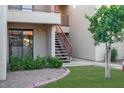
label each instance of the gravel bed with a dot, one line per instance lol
(23, 79)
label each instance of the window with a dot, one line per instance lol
(20, 43)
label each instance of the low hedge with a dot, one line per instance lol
(27, 63)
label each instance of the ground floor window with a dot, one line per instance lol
(20, 42)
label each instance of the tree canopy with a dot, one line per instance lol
(107, 24)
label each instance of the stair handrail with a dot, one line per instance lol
(65, 40)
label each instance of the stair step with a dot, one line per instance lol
(61, 54)
(58, 45)
(58, 53)
(60, 48)
(58, 40)
(63, 57)
(66, 61)
(62, 51)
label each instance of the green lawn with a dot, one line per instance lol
(88, 77)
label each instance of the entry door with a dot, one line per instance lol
(20, 43)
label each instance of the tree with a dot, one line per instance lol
(107, 26)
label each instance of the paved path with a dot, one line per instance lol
(81, 62)
(22, 79)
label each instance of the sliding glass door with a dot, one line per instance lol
(20, 43)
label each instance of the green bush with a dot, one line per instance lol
(39, 63)
(114, 54)
(15, 64)
(54, 62)
(29, 64)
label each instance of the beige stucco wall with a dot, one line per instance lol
(34, 17)
(83, 44)
(100, 51)
(40, 43)
(3, 42)
(120, 48)
(40, 37)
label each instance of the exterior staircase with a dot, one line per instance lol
(60, 50)
(63, 48)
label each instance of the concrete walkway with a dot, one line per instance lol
(34, 78)
(81, 62)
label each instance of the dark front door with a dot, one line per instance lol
(20, 43)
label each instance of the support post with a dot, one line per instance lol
(3, 42)
(53, 41)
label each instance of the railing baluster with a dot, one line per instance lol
(45, 8)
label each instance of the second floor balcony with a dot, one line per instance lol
(43, 14)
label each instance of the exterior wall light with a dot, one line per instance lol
(74, 6)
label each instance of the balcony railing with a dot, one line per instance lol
(40, 8)
(20, 7)
(64, 20)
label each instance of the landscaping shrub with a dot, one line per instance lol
(114, 54)
(29, 64)
(15, 64)
(54, 62)
(39, 63)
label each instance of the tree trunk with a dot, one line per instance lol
(107, 60)
(106, 63)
